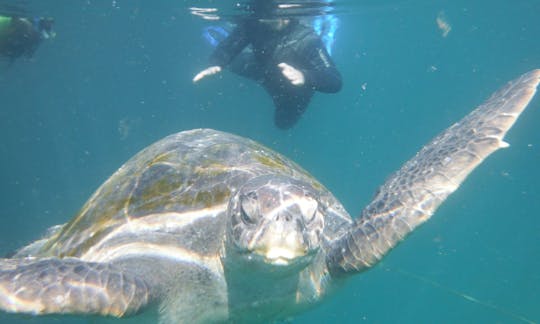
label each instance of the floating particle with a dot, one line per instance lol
(443, 24)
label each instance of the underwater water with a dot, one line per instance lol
(117, 77)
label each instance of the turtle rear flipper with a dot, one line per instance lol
(53, 285)
(411, 195)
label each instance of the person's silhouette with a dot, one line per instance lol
(285, 56)
(20, 36)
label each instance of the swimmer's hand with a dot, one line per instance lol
(206, 72)
(295, 76)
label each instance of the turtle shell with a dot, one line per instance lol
(175, 193)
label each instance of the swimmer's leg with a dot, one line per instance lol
(290, 106)
(290, 101)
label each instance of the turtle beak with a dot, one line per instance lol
(283, 251)
(282, 243)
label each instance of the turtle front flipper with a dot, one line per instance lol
(411, 195)
(52, 285)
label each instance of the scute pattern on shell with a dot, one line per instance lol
(184, 172)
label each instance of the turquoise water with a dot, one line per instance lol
(118, 77)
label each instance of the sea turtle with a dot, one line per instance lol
(206, 226)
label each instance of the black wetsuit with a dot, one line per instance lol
(297, 45)
(19, 38)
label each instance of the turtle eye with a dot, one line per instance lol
(246, 218)
(249, 209)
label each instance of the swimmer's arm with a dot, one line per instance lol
(230, 47)
(225, 52)
(320, 71)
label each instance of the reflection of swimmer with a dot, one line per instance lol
(21, 36)
(288, 58)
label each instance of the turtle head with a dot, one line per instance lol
(275, 220)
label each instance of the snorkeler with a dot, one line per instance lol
(21, 36)
(285, 56)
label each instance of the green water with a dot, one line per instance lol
(118, 77)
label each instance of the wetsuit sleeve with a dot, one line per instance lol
(230, 47)
(320, 73)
